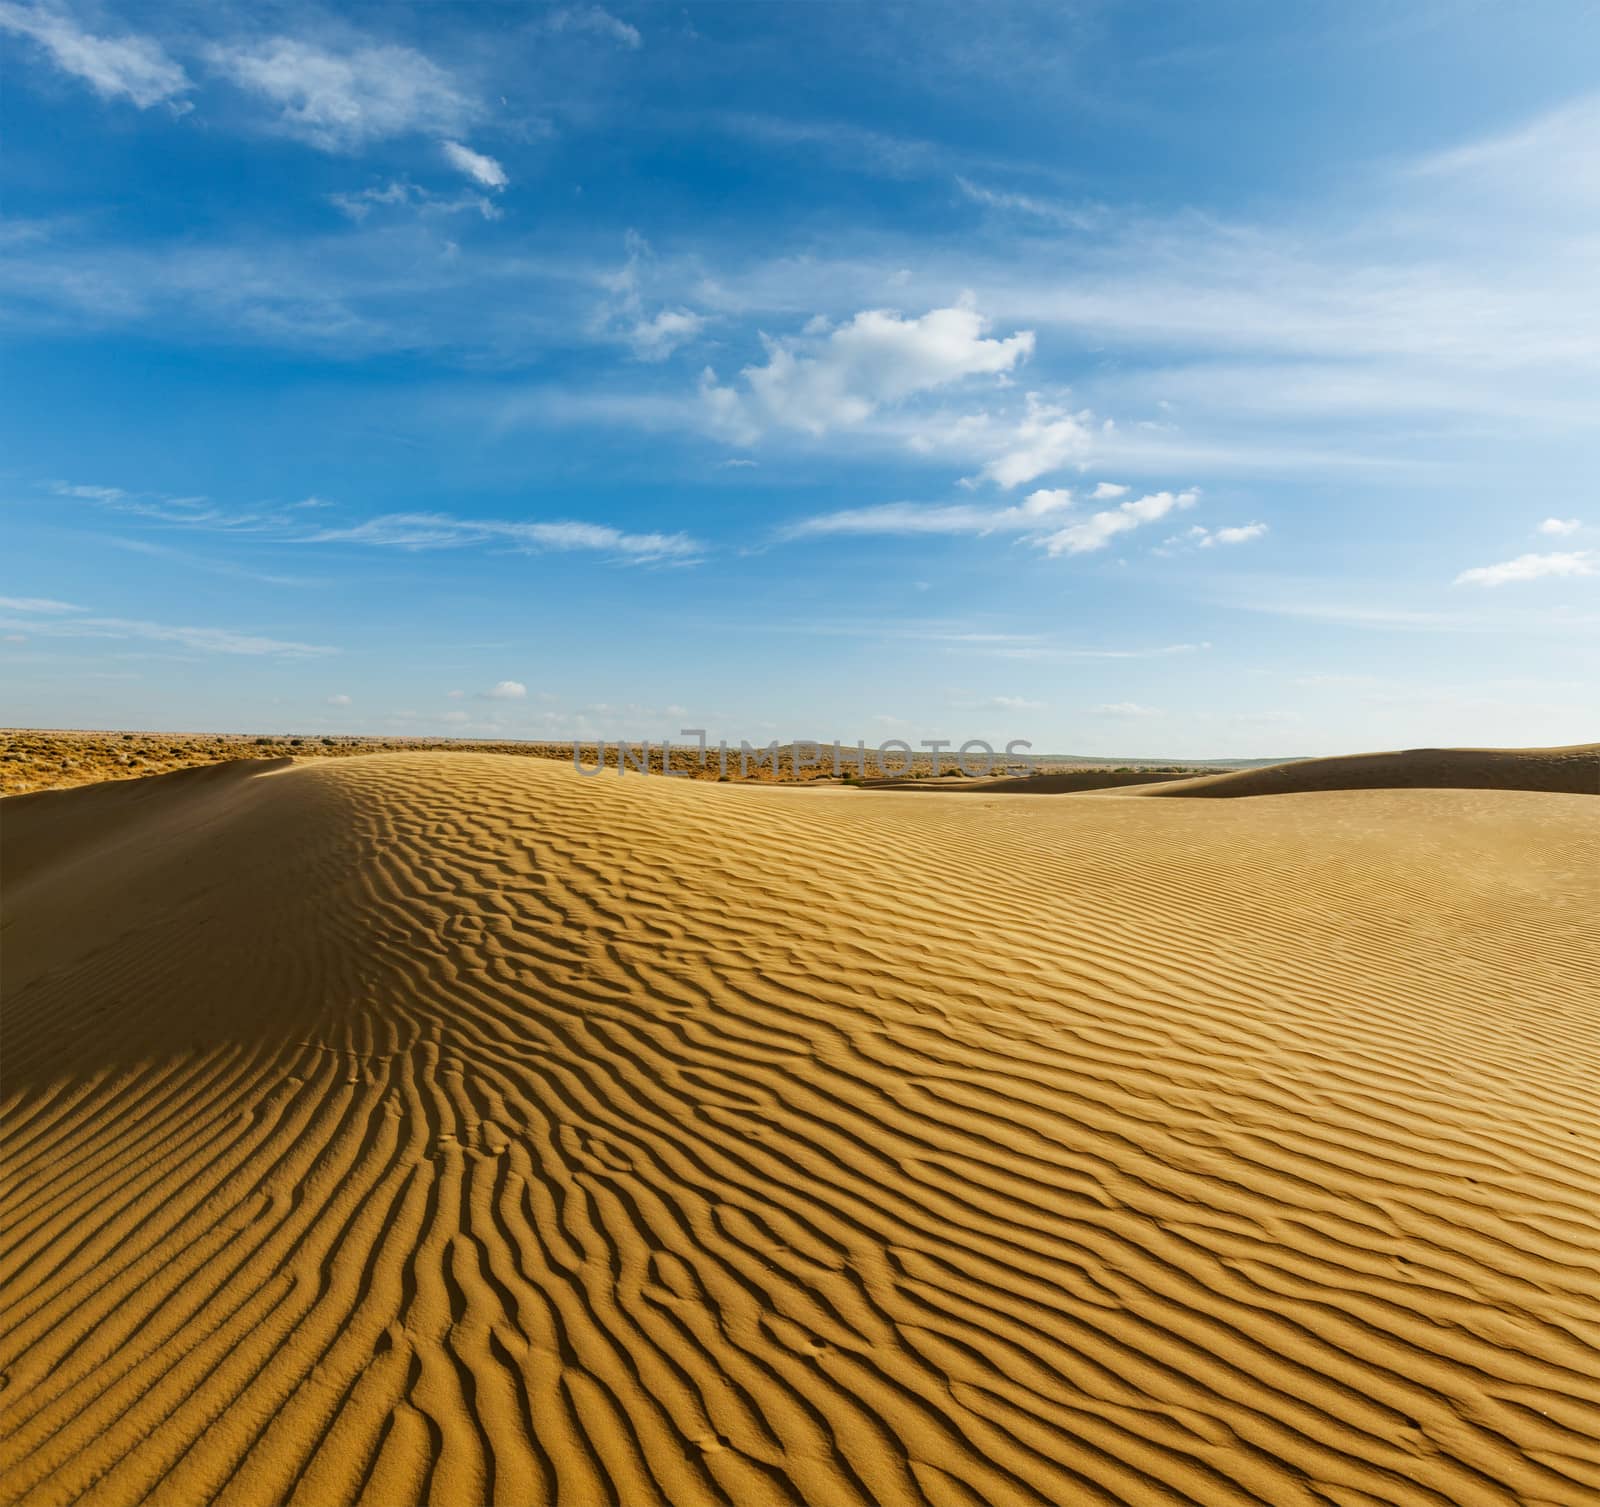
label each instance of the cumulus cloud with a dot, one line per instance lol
(481, 169)
(339, 700)
(622, 315)
(341, 102)
(1579, 562)
(1204, 538)
(1560, 526)
(598, 22)
(1099, 529)
(1045, 439)
(1240, 534)
(420, 531)
(1015, 704)
(133, 68)
(506, 690)
(829, 379)
(656, 339)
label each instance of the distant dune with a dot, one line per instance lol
(1053, 782)
(1574, 770)
(453, 1128)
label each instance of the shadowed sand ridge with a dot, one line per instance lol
(458, 1129)
(1574, 770)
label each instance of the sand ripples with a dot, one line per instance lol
(454, 1129)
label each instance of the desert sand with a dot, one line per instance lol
(452, 1128)
(1574, 771)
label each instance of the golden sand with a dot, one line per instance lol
(452, 1128)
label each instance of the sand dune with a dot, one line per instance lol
(1047, 782)
(1574, 770)
(454, 1128)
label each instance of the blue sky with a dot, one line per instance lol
(1131, 378)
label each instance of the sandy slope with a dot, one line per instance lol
(1574, 770)
(454, 1128)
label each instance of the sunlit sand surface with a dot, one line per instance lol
(453, 1128)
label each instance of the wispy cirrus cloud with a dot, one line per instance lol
(910, 518)
(1099, 529)
(596, 22)
(1086, 217)
(1124, 709)
(134, 68)
(430, 531)
(1034, 518)
(36, 604)
(295, 524)
(49, 619)
(342, 101)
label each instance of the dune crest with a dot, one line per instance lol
(1573, 771)
(455, 1129)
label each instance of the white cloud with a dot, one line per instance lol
(599, 22)
(1580, 562)
(1045, 439)
(133, 68)
(207, 640)
(455, 695)
(1015, 704)
(1068, 216)
(1550, 158)
(1560, 526)
(399, 193)
(88, 494)
(507, 690)
(35, 604)
(820, 380)
(1107, 491)
(1098, 530)
(339, 700)
(418, 531)
(656, 339)
(1125, 709)
(340, 102)
(1240, 534)
(481, 169)
(938, 518)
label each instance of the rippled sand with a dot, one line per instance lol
(453, 1128)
